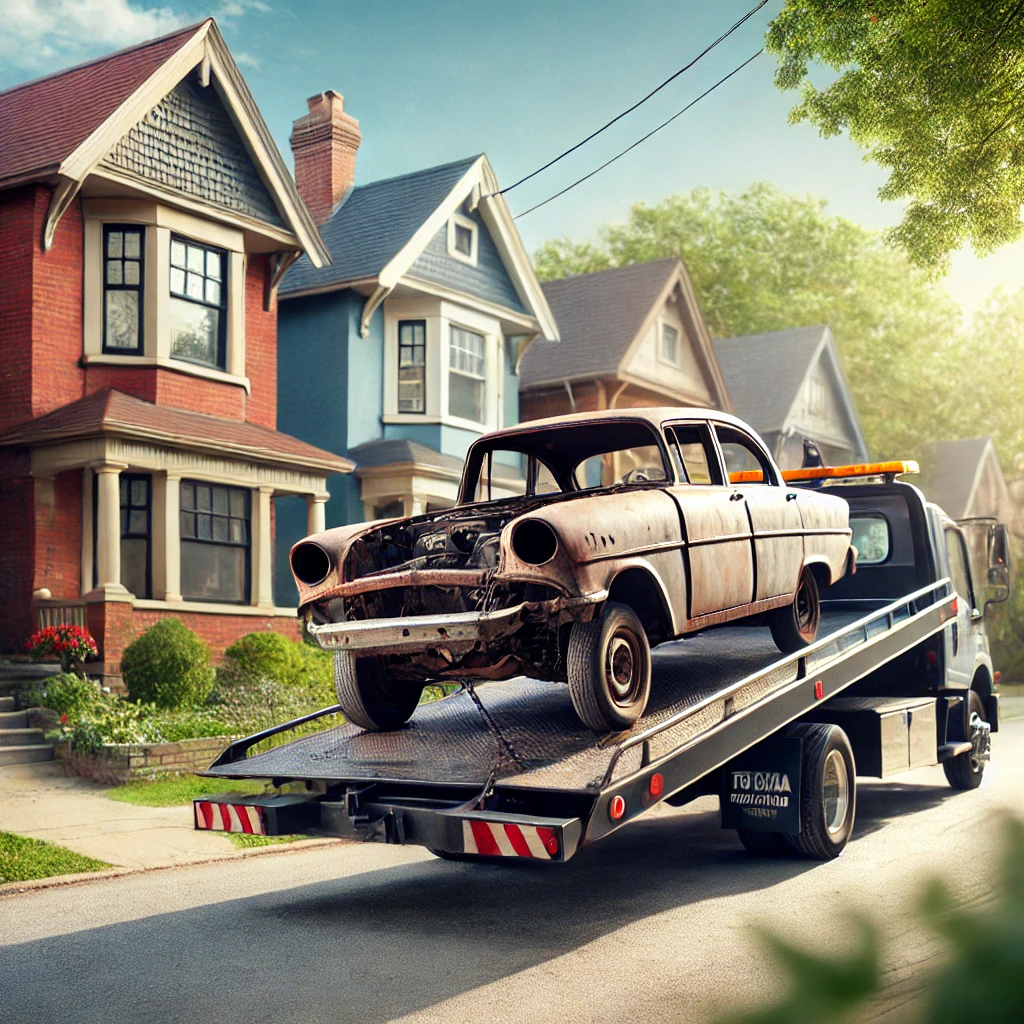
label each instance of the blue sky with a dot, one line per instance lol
(435, 81)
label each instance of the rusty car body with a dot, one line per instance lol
(577, 543)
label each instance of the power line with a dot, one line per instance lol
(629, 110)
(644, 138)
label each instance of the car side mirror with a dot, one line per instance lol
(998, 564)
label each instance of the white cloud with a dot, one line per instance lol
(38, 33)
(246, 60)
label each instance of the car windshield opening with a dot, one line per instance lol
(574, 457)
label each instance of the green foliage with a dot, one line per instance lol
(179, 790)
(268, 655)
(110, 720)
(67, 694)
(169, 666)
(984, 968)
(22, 858)
(930, 91)
(1006, 632)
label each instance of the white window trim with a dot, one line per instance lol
(471, 226)
(659, 343)
(161, 222)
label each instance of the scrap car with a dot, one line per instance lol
(576, 545)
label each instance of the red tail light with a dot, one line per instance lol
(819, 689)
(657, 786)
(617, 808)
(955, 606)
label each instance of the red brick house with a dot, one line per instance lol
(146, 217)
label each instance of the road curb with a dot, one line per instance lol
(32, 884)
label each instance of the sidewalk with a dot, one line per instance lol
(38, 801)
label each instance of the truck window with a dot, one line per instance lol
(959, 571)
(871, 537)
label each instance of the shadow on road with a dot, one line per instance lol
(377, 945)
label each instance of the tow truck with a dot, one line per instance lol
(900, 677)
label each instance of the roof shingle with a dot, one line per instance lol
(398, 451)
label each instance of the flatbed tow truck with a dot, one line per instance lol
(900, 678)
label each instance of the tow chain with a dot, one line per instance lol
(495, 731)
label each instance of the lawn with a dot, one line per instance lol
(22, 858)
(174, 790)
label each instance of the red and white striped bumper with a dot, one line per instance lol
(504, 839)
(223, 817)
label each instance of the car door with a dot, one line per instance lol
(773, 509)
(718, 538)
(960, 645)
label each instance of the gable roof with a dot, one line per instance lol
(378, 231)
(598, 315)
(60, 127)
(113, 413)
(951, 471)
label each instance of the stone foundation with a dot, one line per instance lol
(125, 762)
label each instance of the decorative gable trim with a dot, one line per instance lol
(205, 50)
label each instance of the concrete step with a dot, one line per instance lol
(11, 719)
(21, 737)
(26, 755)
(6, 704)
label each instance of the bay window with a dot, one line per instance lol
(215, 542)
(122, 288)
(467, 379)
(198, 304)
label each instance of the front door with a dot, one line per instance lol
(774, 513)
(716, 524)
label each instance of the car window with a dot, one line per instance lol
(871, 537)
(959, 572)
(501, 476)
(625, 466)
(694, 454)
(744, 461)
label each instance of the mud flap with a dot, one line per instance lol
(761, 787)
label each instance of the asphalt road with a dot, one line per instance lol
(652, 924)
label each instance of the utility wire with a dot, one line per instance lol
(629, 110)
(644, 138)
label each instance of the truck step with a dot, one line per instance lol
(25, 755)
(13, 719)
(21, 737)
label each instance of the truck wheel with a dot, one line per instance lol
(765, 844)
(965, 771)
(828, 792)
(369, 697)
(609, 669)
(796, 625)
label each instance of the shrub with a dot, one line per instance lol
(261, 658)
(109, 720)
(168, 666)
(67, 694)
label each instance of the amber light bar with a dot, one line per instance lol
(755, 476)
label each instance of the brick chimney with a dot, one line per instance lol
(324, 143)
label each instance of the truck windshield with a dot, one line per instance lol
(573, 457)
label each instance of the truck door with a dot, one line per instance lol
(960, 643)
(718, 536)
(774, 512)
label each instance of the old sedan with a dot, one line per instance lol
(577, 544)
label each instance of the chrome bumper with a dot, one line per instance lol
(419, 632)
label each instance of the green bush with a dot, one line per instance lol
(274, 657)
(67, 694)
(111, 720)
(168, 666)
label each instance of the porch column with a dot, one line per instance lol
(172, 538)
(263, 550)
(316, 513)
(108, 529)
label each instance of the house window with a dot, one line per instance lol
(214, 543)
(412, 365)
(122, 289)
(669, 344)
(136, 519)
(462, 239)
(466, 375)
(198, 303)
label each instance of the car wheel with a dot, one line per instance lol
(828, 792)
(369, 697)
(965, 771)
(796, 625)
(609, 668)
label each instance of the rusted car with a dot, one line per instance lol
(577, 544)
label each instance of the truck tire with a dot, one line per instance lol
(796, 625)
(828, 792)
(368, 697)
(965, 771)
(764, 844)
(609, 668)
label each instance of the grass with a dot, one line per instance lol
(246, 842)
(22, 858)
(175, 790)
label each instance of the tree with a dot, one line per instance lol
(765, 261)
(930, 91)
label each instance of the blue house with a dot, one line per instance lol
(407, 347)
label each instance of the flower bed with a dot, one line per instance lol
(113, 764)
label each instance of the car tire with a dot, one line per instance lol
(828, 792)
(965, 771)
(795, 626)
(368, 696)
(764, 844)
(609, 669)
